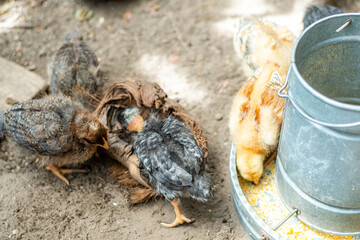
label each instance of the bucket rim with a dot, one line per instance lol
(312, 90)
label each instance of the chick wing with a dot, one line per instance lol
(156, 158)
(183, 143)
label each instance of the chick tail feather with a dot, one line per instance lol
(202, 189)
(2, 125)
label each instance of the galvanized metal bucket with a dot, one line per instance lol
(318, 162)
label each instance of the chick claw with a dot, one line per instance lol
(178, 221)
(180, 218)
(59, 172)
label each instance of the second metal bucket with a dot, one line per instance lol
(318, 163)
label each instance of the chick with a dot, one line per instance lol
(75, 70)
(258, 41)
(316, 12)
(57, 128)
(257, 112)
(170, 158)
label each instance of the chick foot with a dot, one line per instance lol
(59, 172)
(180, 218)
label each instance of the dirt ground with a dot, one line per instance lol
(186, 47)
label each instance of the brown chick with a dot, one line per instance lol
(57, 128)
(257, 112)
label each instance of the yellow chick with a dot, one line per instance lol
(257, 111)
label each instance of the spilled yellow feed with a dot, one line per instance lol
(266, 202)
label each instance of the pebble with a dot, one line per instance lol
(218, 116)
(14, 232)
(225, 229)
(115, 204)
(42, 52)
(32, 67)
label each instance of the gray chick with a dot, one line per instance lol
(316, 12)
(170, 158)
(75, 69)
(57, 128)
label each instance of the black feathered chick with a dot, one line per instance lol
(316, 12)
(170, 157)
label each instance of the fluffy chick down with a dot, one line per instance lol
(257, 112)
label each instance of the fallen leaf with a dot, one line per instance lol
(156, 7)
(11, 101)
(127, 15)
(4, 12)
(84, 14)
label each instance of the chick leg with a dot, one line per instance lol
(271, 158)
(134, 171)
(180, 218)
(59, 172)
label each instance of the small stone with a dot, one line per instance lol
(225, 229)
(127, 15)
(32, 67)
(42, 52)
(218, 116)
(115, 204)
(173, 58)
(14, 232)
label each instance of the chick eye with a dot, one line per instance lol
(88, 141)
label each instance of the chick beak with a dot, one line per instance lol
(105, 145)
(256, 180)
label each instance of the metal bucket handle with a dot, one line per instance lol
(307, 116)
